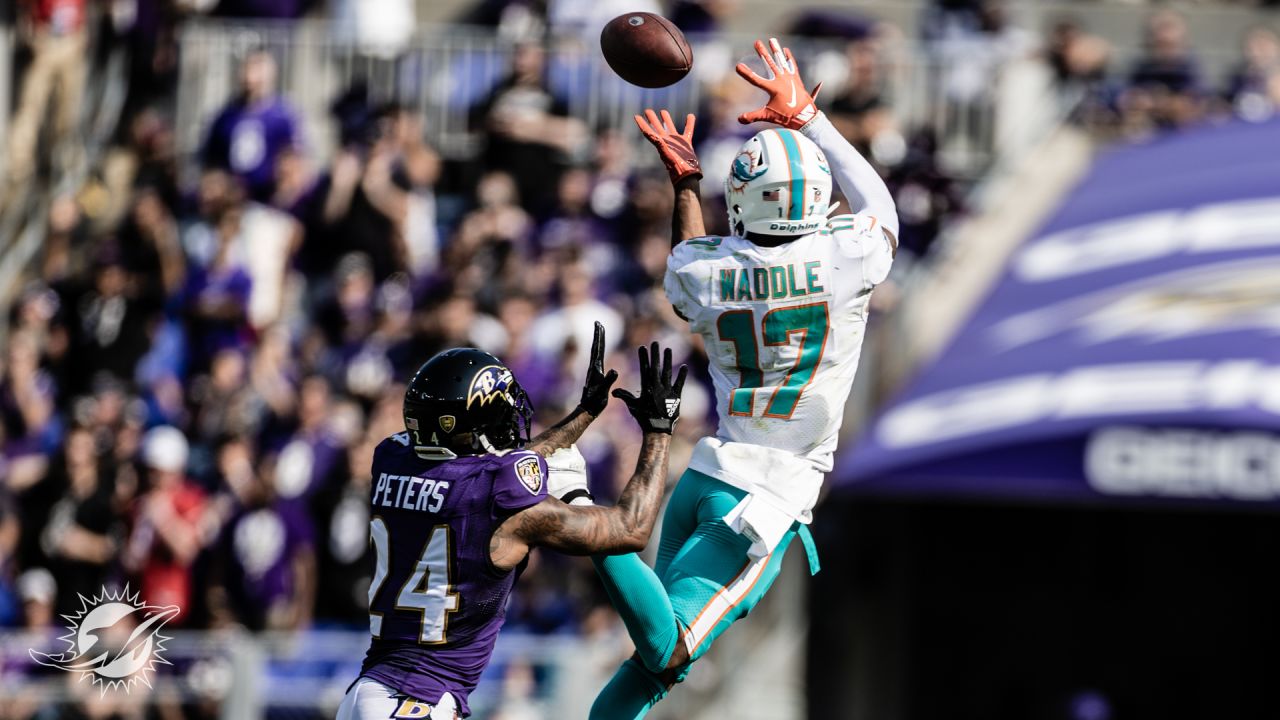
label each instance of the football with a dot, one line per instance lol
(646, 49)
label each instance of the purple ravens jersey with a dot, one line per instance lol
(436, 603)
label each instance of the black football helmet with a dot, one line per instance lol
(465, 402)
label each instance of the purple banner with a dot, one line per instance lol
(1149, 300)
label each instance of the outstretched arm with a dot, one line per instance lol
(858, 180)
(590, 530)
(625, 527)
(595, 396)
(676, 150)
(791, 106)
(686, 219)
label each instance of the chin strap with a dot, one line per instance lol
(431, 452)
(483, 441)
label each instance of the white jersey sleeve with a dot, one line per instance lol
(857, 179)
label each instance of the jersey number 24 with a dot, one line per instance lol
(426, 590)
(777, 327)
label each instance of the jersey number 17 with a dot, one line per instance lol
(777, 327)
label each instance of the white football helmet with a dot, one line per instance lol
(779, 184)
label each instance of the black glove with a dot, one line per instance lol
(658, 406)
(595, 391)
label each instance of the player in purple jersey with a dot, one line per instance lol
(460, 498)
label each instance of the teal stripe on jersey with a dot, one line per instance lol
(796, 197)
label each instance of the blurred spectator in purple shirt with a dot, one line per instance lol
(1254, 87)
(10, 535)
(253, 129)
(702, 16)
(566, 330)
(537, 372)
(1167, 63)
(26, 396)
(264, 565)
(573, 224)
(217, 295)
(311, 460)
(1165, 83)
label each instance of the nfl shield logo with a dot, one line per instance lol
(447, 423)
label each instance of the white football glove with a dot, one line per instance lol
(567, 477)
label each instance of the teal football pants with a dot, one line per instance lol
(703, 582)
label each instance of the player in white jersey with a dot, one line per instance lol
(782, 307)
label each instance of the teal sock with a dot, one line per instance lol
(642, 602)
(629, 695)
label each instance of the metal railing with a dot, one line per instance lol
(7, 51)
(24, 207)
(244, 675)
(443, 74)
(447, 71)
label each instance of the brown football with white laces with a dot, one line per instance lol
(646, 49)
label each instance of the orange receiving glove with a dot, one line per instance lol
(676, 148)
(789, 104)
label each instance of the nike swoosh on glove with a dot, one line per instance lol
(789, 105)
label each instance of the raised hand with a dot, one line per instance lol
(789, 105)
(657, 407)
(595, 391)
(675, 148)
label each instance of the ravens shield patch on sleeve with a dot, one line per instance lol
(529, 471)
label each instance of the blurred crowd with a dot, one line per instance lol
(1166, 86)
(191, 393)
(195, 377)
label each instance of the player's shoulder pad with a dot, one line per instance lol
(858, 235)
(863, 237)
(394, 443)
(527, 468)
(850, 224)
(699, 248)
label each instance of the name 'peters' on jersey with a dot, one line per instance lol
(409, 492)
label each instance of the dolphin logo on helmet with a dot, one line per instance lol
(744, 169)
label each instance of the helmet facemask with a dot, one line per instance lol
(511, 428)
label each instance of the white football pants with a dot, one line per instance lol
(371, 700)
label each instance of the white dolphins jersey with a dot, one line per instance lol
(783, 328)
